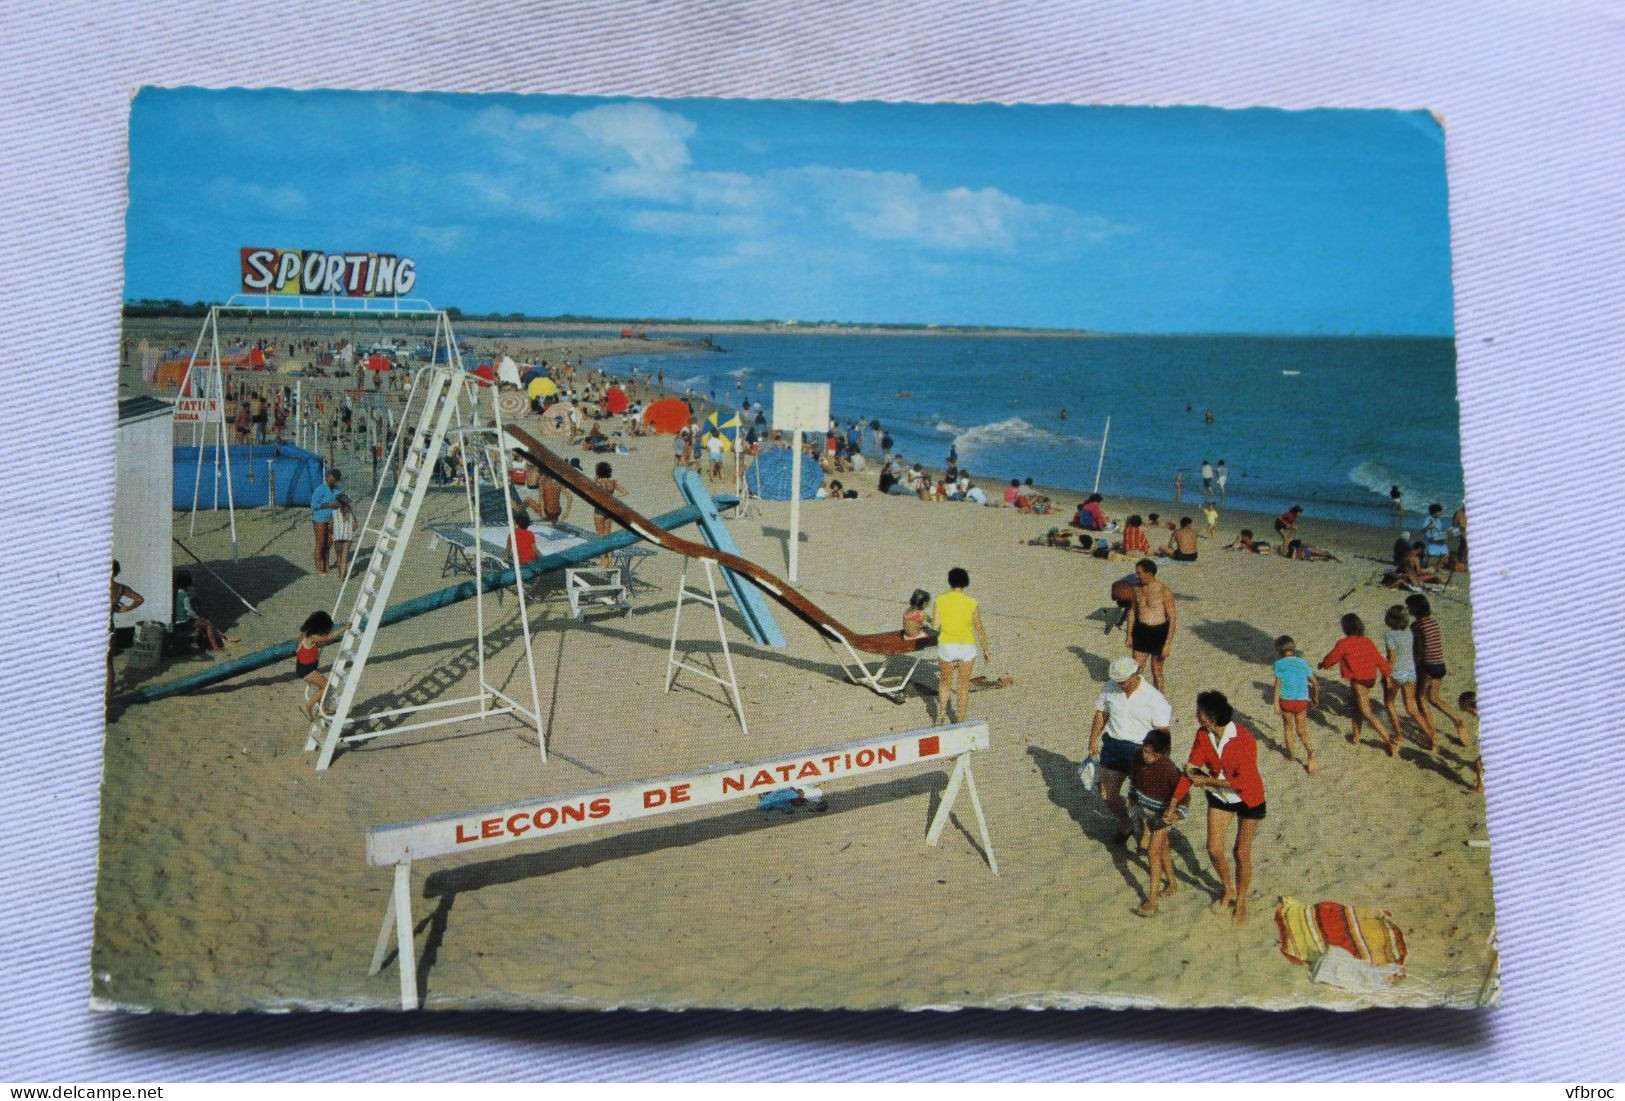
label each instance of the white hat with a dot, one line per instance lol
(1121, 669)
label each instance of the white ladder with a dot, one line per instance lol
(439, 407)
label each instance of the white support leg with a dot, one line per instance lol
(384, 932)
(676, 620)
(673, 663)
(727, 655)
(949, 794)
(981, 820)
(399, 911)
(961, 775)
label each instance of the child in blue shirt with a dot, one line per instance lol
(1296, 688)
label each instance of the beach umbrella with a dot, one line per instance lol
(770, 475)
(666, 416)
(542, 387)
(486, 371)
(727, 430)
(508, 370)
(616, 400)
(556, 419)
(512, 405)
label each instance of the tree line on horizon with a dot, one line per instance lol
(174, 307)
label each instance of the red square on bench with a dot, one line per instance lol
(930, 746)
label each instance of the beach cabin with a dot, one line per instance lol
(143, 513)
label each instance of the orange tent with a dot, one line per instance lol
(667, 416)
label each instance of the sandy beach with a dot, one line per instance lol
(232, 874)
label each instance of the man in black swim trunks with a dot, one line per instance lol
(1151, 620)
(1181, 545)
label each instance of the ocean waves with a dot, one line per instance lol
(1379, 478)
(1011, 432)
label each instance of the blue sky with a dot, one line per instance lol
(1107, 218)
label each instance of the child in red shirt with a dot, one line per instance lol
(1156, 779)
(1134, 540)
(524, 540)
(1358, 659)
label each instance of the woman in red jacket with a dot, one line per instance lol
(1224, 760)
(1358, 659)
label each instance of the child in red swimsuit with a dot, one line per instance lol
(1358, 659)
(914, 617)
(316, 632)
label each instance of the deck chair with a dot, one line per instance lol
(627, 560)
(858, 670)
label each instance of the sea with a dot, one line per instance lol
(1326, 423)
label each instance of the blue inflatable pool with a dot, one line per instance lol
(297, 472)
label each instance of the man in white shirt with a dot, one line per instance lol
(713, 447)
(1127, 708)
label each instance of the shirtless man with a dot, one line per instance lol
(546, 496)
(1181, 544)
(1152, 620)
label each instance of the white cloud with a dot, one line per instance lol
(651, 138)
(278, 200)
(631, 150)
(633, 161)
(446, 238)
(897, 206)
(503, 194)
(692, 223)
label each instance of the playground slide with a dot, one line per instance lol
(259, 659)
(884, 642)
(759, 621)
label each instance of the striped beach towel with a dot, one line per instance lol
(1309, 929)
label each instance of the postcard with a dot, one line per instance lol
(598, 553)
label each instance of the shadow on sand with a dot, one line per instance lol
(445, 886)
(1066, 791)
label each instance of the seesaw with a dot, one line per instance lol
(417, 606)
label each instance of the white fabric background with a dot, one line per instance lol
(1532, 101)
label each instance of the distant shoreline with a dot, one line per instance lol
(791, 328)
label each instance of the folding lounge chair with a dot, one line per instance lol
(859, 672)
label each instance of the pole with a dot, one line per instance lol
(1102, 461)
(217, 577)
(795, 502)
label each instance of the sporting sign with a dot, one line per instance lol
(336, 274)
(467, 831)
